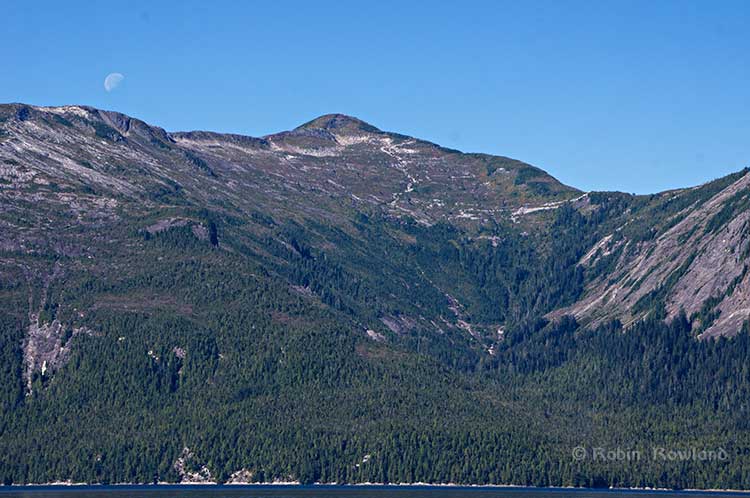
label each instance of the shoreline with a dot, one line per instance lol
(374, 485)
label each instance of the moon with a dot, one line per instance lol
(112, 81)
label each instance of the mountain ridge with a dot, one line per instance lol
(322, 122)
(338, 158)
(332, 304)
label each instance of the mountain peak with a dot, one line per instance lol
(338, 122)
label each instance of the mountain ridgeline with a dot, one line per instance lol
(341, 304)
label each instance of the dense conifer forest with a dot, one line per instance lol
(193, 349)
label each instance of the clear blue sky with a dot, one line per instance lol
(633, 96)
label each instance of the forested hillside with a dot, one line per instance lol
(341, 304)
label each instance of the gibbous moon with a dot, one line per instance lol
(112, 81)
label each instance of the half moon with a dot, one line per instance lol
(112, 81)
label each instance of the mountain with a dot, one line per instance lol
(338, 303)
(686, 251)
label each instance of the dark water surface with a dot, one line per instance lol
(332, 492)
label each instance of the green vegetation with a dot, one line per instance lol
(377, 310)
(197, 346)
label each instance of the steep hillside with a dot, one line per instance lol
(337, 303)
(681, 251)
(371, 217)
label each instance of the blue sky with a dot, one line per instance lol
(632, 96)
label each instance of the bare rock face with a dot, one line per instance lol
(375, 336)
(46, 348)
(698, 266)
(242, 476)
(190, 471)
(398, 324)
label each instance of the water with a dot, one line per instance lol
(333, 492)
